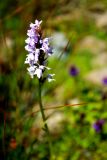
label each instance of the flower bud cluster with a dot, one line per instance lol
(39, 50)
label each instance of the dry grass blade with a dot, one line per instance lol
(64, 50)
(56, 107)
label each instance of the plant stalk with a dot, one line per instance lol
(44, 121)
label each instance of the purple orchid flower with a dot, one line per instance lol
(39, 50)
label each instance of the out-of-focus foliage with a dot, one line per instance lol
(79, 31)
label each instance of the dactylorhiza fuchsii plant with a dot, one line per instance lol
(39, 50)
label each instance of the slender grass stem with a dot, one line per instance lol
(44, 121)
(4, 135)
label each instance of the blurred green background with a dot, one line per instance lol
(79, 31)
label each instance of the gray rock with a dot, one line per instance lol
(96, 75)
(92, 44)
(101, 21)
(100, 60)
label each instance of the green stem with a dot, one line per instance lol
(44, 121)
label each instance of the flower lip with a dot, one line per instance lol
(50, 77)
(36, 24)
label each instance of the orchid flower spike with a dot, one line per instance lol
(39, 50)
